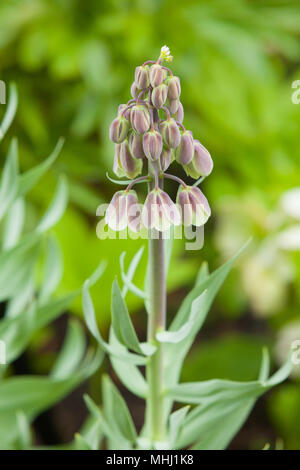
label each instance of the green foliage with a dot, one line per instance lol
(222, 406)
(29, 304)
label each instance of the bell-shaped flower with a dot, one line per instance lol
(185, 151)
(119, 129)
(201, 164)
(159, 211)
(174, 88)
(141, 77)
(166, 159)
(140, 118)
(131, 166)
(179, 115)
(124, 211)
(157, 75)
(159, 95)
(194, 206)
(136, 145)
(152, 145)
(170, 133)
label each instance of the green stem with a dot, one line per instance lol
(156, 322)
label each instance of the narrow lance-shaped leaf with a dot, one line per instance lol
(10, 110)
(29, 179)
(56, 208)
(9, 179)
(116, 411)
(90, 318)
(53, 270)
(128, 373)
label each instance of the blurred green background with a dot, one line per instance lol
(73, 63)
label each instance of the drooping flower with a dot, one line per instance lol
(136, 145)
(185, 150)
(201, 164)
(159, 95)
(152, 145)
(165, 159)
(170, 133)
(174, 88)
(131, 166)
(179, 115)
(119, 129)
(140, 118)
(159, 211)
(157, 75)
(194, 206)
(141, 77)
(124, 211)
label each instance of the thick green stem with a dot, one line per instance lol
(156, 322)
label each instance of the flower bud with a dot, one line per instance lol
(157, 75)
(185, 150)
(124, 210)
(140, 118)
(166, 159)
(136, 145)
(201, 164)
(130, 165)
(170, 133)
(121, 108)
(134, 90)
(152, 145)
(194, 206)
(141, 77)
(174, 88)
(119, 129)
(159, 95)
(117, 164)
(173, 105)
(179, 113)
(159, 211)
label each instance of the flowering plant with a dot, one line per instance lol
(149, 129)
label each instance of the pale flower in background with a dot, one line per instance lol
(287, 335)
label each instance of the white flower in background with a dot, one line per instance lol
(286, 337)
(290, 202)
(289, 239)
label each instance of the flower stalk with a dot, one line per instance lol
(156, 323)
(148, 131)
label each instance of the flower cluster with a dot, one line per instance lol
(149, 130)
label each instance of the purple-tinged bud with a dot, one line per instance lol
(159, 95)
(141, 77)
(124, 210)
(179, 113)
(170, 133)
(157, 75)
(121, 108)
(159, 211)
(134, 90)
(130, 165)
(117, 164)
(152, 145)
(185, 150)
(136, 145)
(119, 129)
(173, 105)
(140, 118)
(174, 88)
(166, 159)
(201, 164)
(194, 206)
